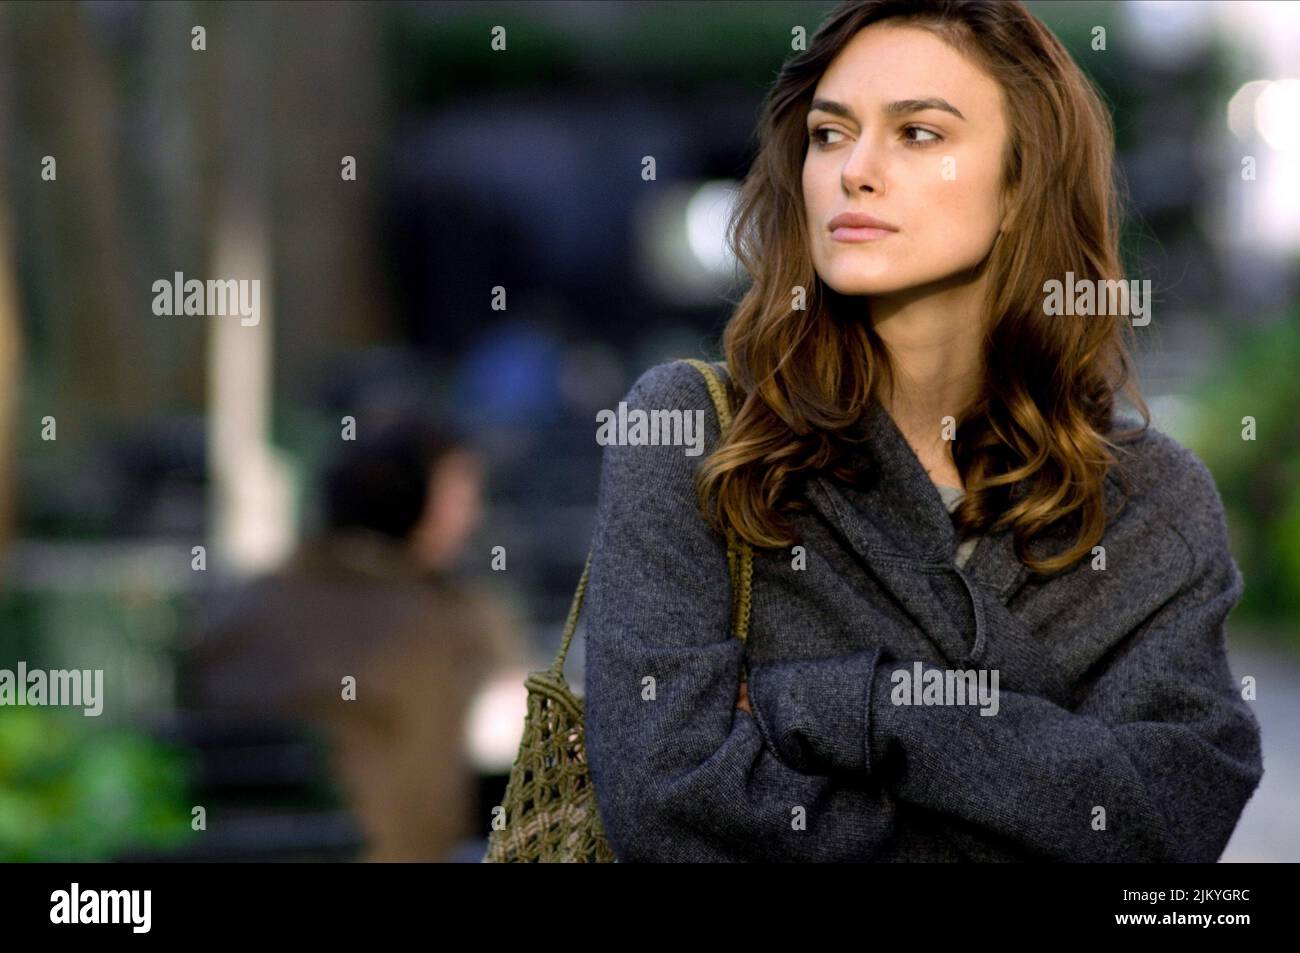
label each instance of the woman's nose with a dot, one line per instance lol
(863, 170)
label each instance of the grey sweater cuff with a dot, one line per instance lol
(882, 739)
(903, 734)
(813, 712)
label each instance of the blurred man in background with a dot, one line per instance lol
(366, 637)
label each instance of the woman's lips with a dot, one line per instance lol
(844, 234)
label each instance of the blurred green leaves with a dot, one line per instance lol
(71, 790)
(1259, 479)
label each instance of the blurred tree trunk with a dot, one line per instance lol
(10, 327)
(327, 101)
(10, 389)
(251, 501)
(66, 100)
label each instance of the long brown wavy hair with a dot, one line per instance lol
(1034, 447)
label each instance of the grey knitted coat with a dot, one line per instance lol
(1118, 732)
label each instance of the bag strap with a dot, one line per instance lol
(740, 558)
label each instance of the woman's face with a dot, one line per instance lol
(884, 143)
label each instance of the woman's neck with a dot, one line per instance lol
(935, 344)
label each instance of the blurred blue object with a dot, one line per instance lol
(511, 378)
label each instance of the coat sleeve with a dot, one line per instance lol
(679, 772)
(1160, 738)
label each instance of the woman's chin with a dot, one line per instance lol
(861, 286)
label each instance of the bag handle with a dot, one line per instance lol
(740, 558)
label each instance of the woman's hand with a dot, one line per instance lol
(743, 700)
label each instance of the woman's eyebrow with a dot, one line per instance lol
(899, 107)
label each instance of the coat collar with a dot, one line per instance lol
(896, 513)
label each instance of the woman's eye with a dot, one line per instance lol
(934, 136)
(913, 136)
(818, 136)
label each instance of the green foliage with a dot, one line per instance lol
(1259, 479)
(70, 790)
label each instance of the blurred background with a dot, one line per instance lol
(185, 500)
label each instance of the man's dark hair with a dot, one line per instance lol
(380, 481)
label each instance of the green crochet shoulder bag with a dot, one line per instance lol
(550, 813)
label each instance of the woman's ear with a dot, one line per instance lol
(1007, 209)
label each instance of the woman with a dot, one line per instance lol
(925, 169)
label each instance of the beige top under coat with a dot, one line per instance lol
(951, 497)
